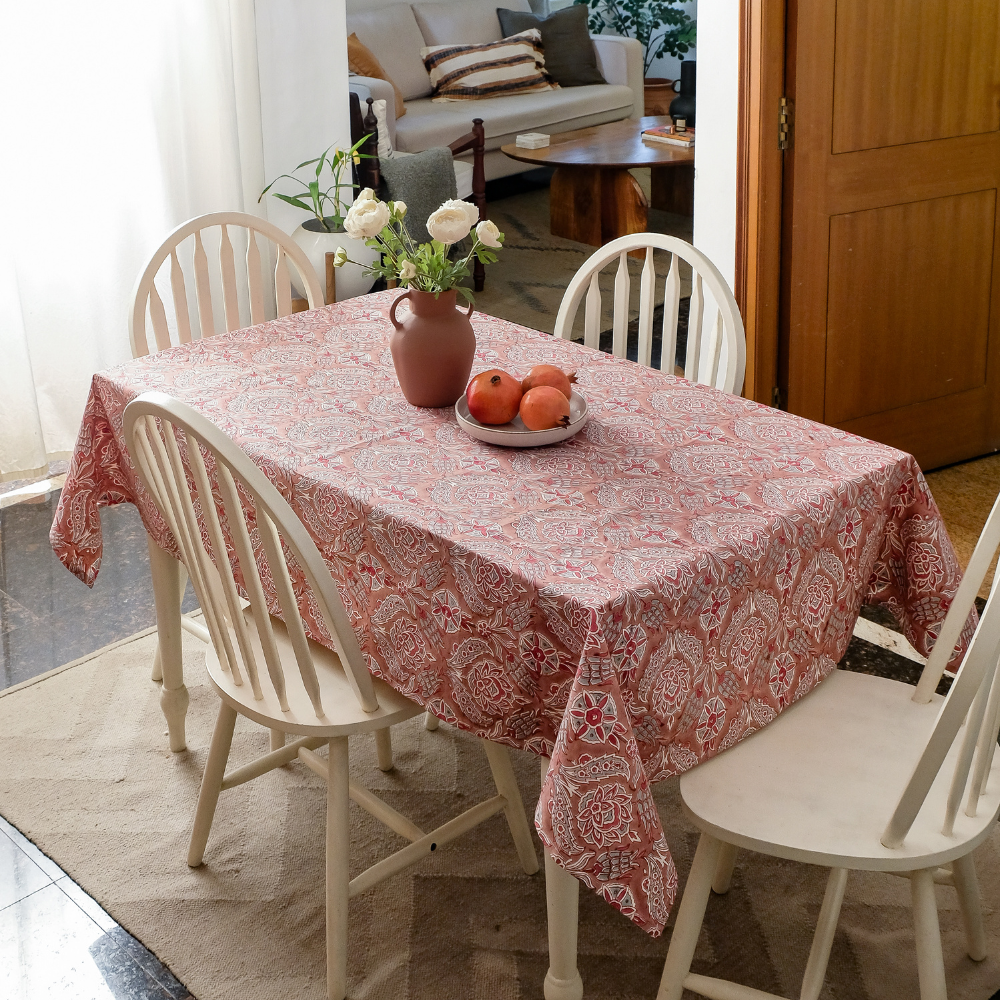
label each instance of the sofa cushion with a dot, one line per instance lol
(513, 65)
(392, 36)
(431, 124)
(570, 58)
(466, 21)
(361, 60)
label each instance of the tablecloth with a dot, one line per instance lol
(630, 602)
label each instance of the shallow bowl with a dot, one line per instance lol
(515, 434)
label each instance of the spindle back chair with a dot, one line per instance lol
(145, 294)
(267, 668)
(716, 340)
(862, 773)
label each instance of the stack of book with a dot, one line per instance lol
(669, 135)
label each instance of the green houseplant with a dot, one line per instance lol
(320, 191)
(662, 27)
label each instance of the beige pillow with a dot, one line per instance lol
(391, 34)
(514, 65)
(361, 61)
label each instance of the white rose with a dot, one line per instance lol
(488, 234)
(365, 194)
(340, 257)
(470, 210)
(399, 209)
(407, 270)
(366, 218)
(449, 223)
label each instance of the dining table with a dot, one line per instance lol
(624, 604)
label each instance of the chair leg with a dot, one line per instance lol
(503, 778)
(963, 872)
(724, 870)
(826, 927)
(383, 747)
(930, 959)
(431, 722)
(277, 739)
(690, 916)
(211, 783)
(338, 853)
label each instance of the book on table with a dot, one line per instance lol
(669, 135)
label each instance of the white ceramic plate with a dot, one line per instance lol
(515, 434)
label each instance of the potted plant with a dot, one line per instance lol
(662, 27)
(434, 347)
(324, 232)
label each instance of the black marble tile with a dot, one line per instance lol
(50, 948)
(153, 967)
(54, 618)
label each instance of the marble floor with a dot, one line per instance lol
(55, 941)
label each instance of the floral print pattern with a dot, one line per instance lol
(629, 602)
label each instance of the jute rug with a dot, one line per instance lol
(86, 775)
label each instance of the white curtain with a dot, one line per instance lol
(119, 119)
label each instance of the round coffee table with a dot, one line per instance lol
(593, 197)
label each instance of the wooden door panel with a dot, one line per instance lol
(893, 344)
(914, 70)
(890, 318)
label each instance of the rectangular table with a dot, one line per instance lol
(628, 603)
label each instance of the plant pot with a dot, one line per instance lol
(432, 349)
(682, 106)
(658, 93)
(316, 243)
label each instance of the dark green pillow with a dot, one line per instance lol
(569, 53)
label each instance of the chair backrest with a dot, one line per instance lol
(974, 699)
(709, 326)
(166, 440)
(145, 294)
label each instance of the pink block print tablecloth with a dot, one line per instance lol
(630, 602)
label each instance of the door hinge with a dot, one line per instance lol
(776, 400)
(785, 124)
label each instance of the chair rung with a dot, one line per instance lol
(368, 801)
(276, 758)
(419, 849)
(195, 629)
(721, 989)
(942, 876)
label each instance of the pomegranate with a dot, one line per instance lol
(494, 397)
(544, 407)
(549, 375)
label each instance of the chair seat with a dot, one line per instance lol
(343, 713)
(820, 783)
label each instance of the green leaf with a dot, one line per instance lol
(293, 201)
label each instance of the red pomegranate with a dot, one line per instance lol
(549, 375)
(544, 407)
(494, 397)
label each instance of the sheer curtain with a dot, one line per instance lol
(119, 119)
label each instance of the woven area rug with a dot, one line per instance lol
(87, 775)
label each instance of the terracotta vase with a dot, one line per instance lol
(658, 93)
(433, 348)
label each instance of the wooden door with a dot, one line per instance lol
(891, 232)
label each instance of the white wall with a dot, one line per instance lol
(302, 66)
(715, 150)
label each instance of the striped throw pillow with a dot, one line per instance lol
(514, 65)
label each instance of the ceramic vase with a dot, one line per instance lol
(658, 93)
(432, 348)
(316, 243)
(683, 105)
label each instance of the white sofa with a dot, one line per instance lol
(395, 32)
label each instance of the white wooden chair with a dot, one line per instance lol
(145, 294)
(706, 333)
(863, 773)
(268, 670)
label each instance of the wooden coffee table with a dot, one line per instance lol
(593, 197)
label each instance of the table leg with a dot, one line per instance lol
(166, 573)
(623, 205)
(672, 188)
(562, 895)
(575, 204)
